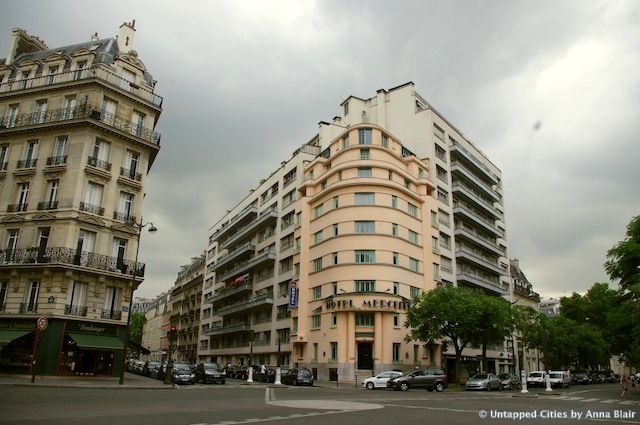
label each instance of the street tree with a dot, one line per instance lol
(136, 327)
(494, 325)
(448, 311)
(623, 260)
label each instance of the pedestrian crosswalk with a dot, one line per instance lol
(593, 400)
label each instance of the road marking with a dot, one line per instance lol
(278, 418)
(432, 408)
(589, 400)
(611, 400)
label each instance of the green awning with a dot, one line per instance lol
(97, 342)
(8, 335)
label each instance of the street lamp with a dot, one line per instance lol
(152, 229)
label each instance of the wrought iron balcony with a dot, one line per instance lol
(70, 256)
(127, 218)
(111, 314)
(27, 163)
(98, 163)
(245, 305)
(130, 174)
(56, 160)
(17, 207)
(48, 205)
(79, 112)
(95, 209)
(95, 72)
(75, 310)
(28, 308)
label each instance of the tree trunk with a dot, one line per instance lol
(484, 365)
(458, 356)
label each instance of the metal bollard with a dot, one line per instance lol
(523, 382)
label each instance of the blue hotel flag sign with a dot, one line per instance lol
(293, 294)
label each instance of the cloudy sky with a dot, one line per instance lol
(245, 83)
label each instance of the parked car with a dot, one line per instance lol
(208, 372)
(484, 381)
(182, 374)
(537, 378)
(509, 381)
(610, 377)
(297, 376)
(559, 378)
(431, 379)
(271, 378)
(137, 367)
(380, 380)
(581, 378)
(150, 368)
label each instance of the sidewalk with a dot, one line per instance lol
(131, 381)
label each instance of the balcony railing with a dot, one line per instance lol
(478, 240)
(17, 207)
(27, 163)
(244, 305)
(488, 264)
(48, 205)
(56, 160)
(480, 281)
(457, 147)
(130, 174)
(98, 163)
(28, 308)
(127, 218)
(75, 310)
(233, 255)
(70, 256)
(96, 72)
(248, 265)
(95, 209)
(221, 330)
(111, 314)
(266, 216)
(80, 112)
(234, 221)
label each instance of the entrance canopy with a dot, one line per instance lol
(97, 342)
(8, 335)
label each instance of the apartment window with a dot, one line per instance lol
(443, 196)
(407, 184)
(441, 173)
(43, 239)
(316, 292)
(396, 258)
(420, 173)
(365, 154)
(40, 112)
(396, 288)
(86, 241)
(334, 352)
(365, 319)
(414, 292)
(412, 209)
(323, 184)
(80, 70)
(445, 240)
(364, 136)
(394, 229)
(315, 352)
(334, 319)
(413, 236)
(365, 285)
(109, 108)
(77, 295)
(93, 195)
(434, 218)
(436, 271)
(23, 196)
(334, 258)
(364, 172)
(366, 256)
(316, 321)
(317, 264)
(335, 230)
(101, 150)
(339, 175)
(4, 286)
(365, 226)
(138, 123)
(446, 264)
(112, 303)
(334, 288)
(345, 141)
(413, 265)
(132, 164)
(416, 353)
(30, 153)
(59, 151)
(12, 239)
(317, 211)
(385, 141)
(32, 297)
(12, 114)
(120, 252)
(394, 201)
(126, 205)
(335, 202)
(396, 320)
(317, 237)
(69, 107)
(396, 352)
(4, 156)
(364, 198)
(390, 175)
(441, 153)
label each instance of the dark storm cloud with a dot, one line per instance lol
(245, 83)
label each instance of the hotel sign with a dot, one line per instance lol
(367, 304)
(293, 294)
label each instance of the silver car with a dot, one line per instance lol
(484, 381)
(380, 380)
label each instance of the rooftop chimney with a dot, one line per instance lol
(125, 36)
(21, 42)
(95, 37)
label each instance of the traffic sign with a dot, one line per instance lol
(42, 323)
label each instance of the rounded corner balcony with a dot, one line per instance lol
(61, 256)
(31, 121)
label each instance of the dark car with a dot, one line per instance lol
(509, 381)
(581, 378)
(431, 379)
(150, 368)
(271, 377)
(209, 372)
(295, 376)
(182, 374)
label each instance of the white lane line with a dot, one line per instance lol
(589, 400)
(431, 408)
(611, 400)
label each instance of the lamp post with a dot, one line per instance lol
(278, 369)
(251, 338)
(152, 229)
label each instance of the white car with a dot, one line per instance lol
(380, 380)
(537, 378)
(559, 378)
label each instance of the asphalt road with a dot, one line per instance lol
(234, 403)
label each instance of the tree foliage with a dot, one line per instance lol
(136, 327)
(623, 260)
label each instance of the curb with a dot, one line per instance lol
(93, 387)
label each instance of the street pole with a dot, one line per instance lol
(139, 227)
(250, 376)
(278, 369)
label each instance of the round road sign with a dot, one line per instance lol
(42, 323)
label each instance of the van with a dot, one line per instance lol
(537, 378)
(559, 378)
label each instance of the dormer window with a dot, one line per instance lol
(346, 109)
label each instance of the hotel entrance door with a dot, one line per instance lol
(365, 355)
